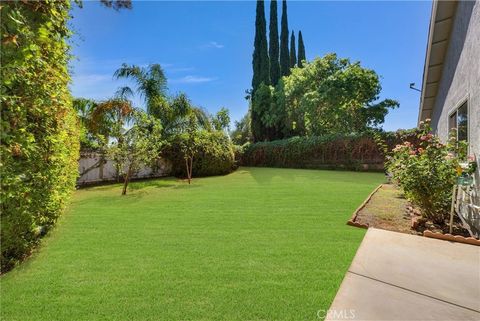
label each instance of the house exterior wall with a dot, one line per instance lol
(460, 81)
(461, 75)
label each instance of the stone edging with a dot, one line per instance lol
(452, 238)
(352, 221)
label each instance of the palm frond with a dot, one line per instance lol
(124, 92)
(203, 118)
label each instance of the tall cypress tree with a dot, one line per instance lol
(293, 51)
(261, 71)
(284, 53)
(261, 63)
(301, 50)
(273, 48)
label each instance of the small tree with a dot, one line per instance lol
(221, 121)
(189, 143)
(140, 145)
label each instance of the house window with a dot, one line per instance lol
(459, 120)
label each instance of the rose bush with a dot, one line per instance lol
(426, 171)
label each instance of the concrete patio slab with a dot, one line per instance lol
(397, 276)
(361, 298)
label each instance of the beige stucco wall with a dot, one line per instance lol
(461, 74)
(461, 80)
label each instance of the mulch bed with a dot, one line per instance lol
(386, 208)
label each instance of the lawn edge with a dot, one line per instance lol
(352, 220)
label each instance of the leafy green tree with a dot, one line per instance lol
(284, 53)
(189, 144)
(276, 117)
(301, 51)
(140, 145)
(261, 105)
(274, 45)
(261, 63)
(242, 132)
(293, 51)
(221, 121)
(333, 95)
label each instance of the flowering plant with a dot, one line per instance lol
(426, 171)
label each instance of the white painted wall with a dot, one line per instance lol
(92, 170)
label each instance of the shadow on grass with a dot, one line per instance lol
(183, 185)
(155, 183)
(265, 175)
(170, 182)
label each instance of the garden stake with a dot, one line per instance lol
(454, 196)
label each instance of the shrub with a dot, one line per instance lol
(239, 151)
(426, 171)
(334, 151)
(214, 155)
(39, 142)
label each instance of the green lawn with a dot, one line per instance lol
(259, 244)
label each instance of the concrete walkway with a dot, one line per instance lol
(397, 276)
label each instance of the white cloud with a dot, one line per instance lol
(180, 69)
(213, 44)
(190, 79)
(171, 68)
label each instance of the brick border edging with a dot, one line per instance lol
(452, 238)
(352, 221)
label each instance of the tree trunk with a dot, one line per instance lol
(127, 179)
(188, 170)
(191, 167)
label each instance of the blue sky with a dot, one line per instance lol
(206, 47)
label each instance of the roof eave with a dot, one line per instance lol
(441, 22)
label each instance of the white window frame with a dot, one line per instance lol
(454, 110)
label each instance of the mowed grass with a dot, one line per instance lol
(258, 244)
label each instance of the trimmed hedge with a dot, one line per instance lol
(328, 152)
(39, 132)
(353, 152)
(215, 157)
